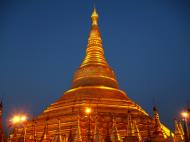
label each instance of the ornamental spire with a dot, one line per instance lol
(58, 137)
(94, 70)
(130, 128)
(97, 136)
(178, 134)
(157, 127)
(137, 132)
(115, 135)
(94, 51)
(78, 137)
(94, 17)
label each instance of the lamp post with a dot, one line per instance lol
(88, 112)
(19, 120)
(185, 116)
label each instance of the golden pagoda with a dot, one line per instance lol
(111, 115)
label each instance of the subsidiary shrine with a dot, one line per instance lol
(94, 109)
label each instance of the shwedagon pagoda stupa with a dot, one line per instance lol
(94, 109)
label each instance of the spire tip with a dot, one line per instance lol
(94, 17)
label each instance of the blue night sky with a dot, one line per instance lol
(43, 42)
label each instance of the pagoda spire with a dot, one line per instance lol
(178, 134)
(94, 70)
(44, 136)
(130, 126)
(78, 136)
(115, 135)
(94, 17)
(97, 137)
(108, 136)
(34, 135)
(94, 51)
(133, 134)
(181, 127)
(158, 135)
(157, 127)
(58, 137)
(137, 132)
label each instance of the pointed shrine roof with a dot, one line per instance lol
(94, 70)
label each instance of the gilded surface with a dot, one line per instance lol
(95, 86)
(94, 69)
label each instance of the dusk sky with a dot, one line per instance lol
(146, 42)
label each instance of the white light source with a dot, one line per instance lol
(17, 119)
(185, 114)
(88, 110)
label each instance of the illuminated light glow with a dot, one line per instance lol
(23, 118)
(88, 110)
(17, 119)
(185, 114)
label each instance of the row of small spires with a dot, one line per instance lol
(114, 136)
(132, 131)
(132, 134)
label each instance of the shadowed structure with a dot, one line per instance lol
(2, 134)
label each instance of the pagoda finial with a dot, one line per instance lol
(94, 70)
(94, 51)
(96, 131)
(115, 135)
(130, 128)
(178, 134)
(157, 127)
(137, 132)
(78, 137)
(94, 17)
(58, 136)
(45, 133)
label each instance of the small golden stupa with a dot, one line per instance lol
(94, 109)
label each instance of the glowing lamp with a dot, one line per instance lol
(88, 110)
(17, 119)
(23, 118)
(184, 114)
